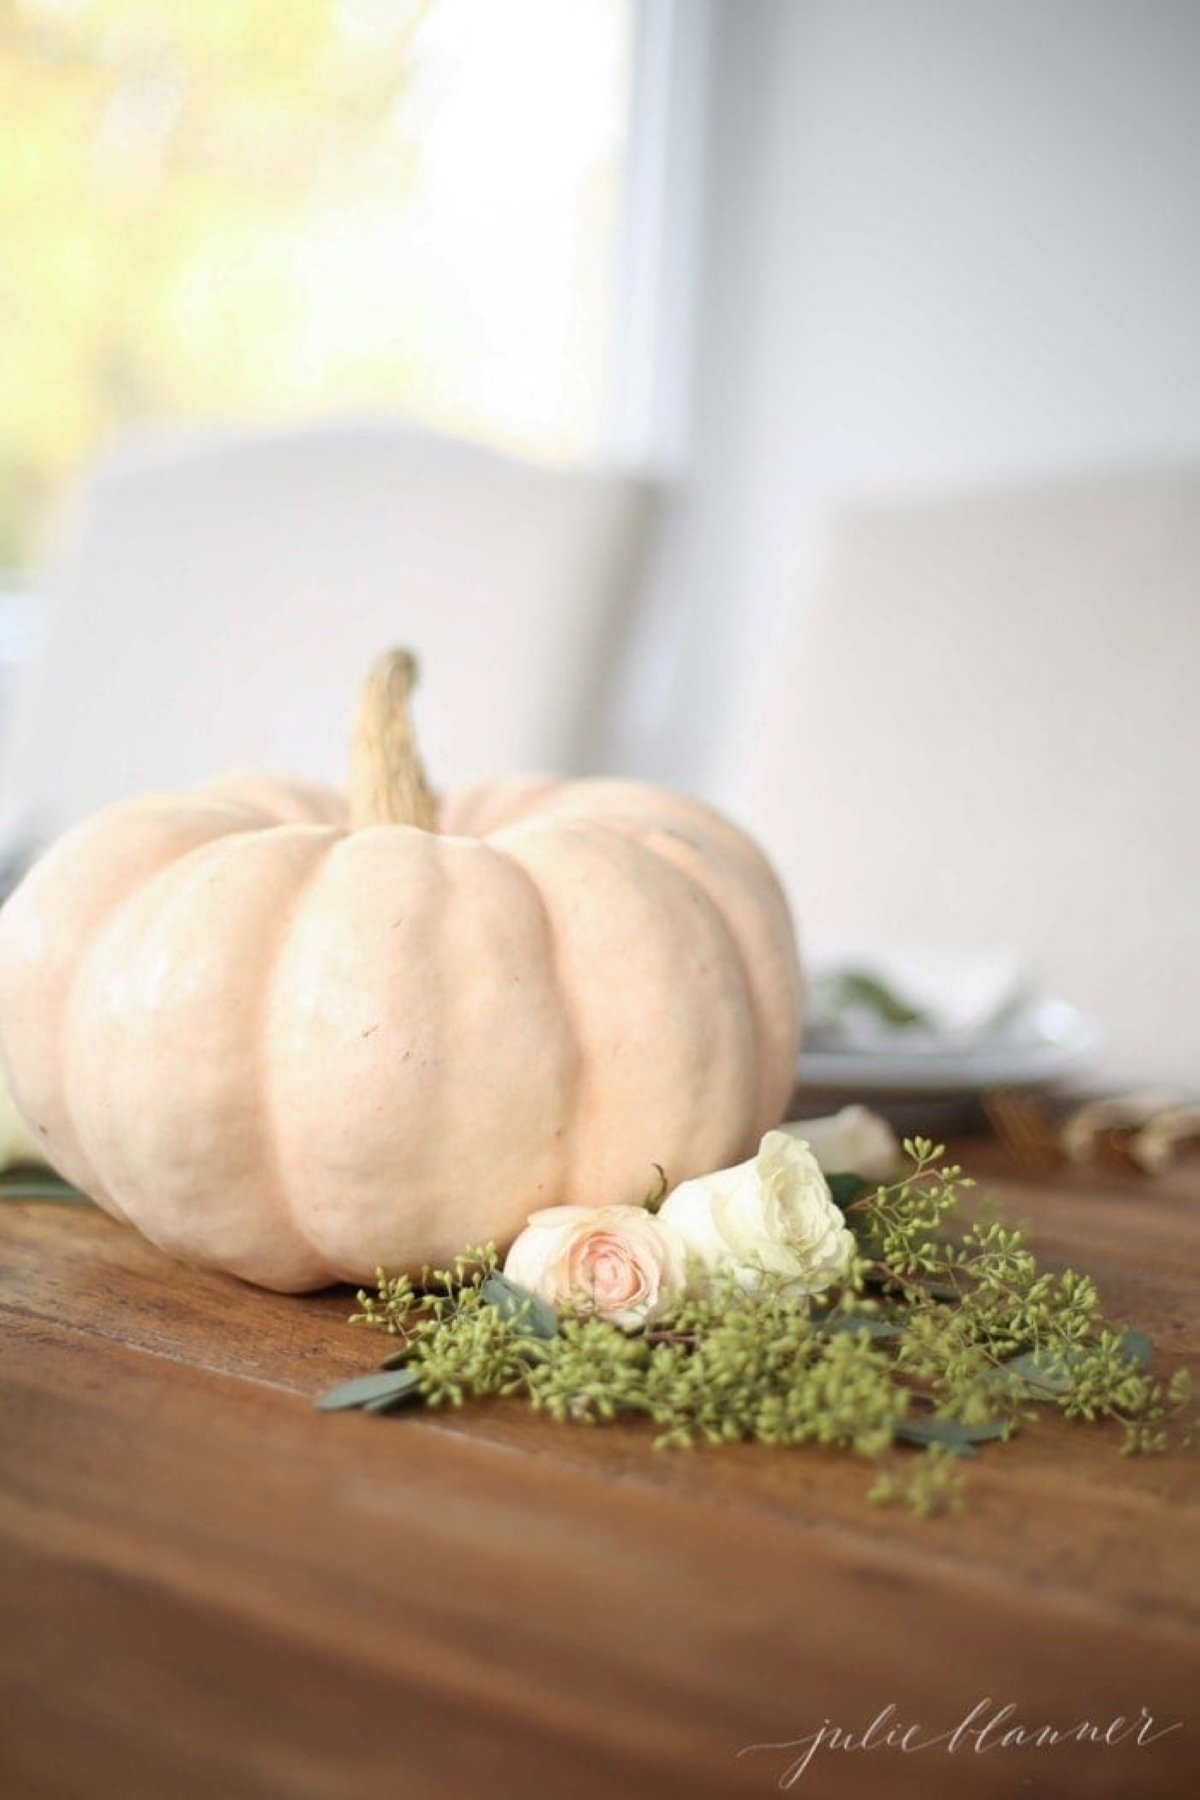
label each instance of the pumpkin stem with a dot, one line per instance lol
(387, 780)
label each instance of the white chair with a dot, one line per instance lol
(216, 601)
(983, 728)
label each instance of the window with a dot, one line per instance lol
(294, 207)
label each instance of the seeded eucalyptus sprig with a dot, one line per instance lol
(987, 1332)
(465, 1333)
(944, 1336)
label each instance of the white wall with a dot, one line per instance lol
(953, 245)
(948, 243)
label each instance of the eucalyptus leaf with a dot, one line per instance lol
(1138, 1347)
(1044, 1374)
(1055, 1373)
(845, 1187)
(391, 1386)
(391, 1402)
(39, 1184)
(874, 1326)
(880, 1279)
(952, 1434)
(527, 1313)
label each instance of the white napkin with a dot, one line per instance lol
(876, 999)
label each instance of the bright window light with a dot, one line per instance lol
(295, 207)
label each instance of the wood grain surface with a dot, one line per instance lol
(211, 1591)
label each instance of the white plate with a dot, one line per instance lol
(1046, 1041)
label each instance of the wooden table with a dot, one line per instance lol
(211, 1590)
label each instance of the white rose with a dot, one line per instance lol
(853, 1141)
(772, 1215)
(619, 1263)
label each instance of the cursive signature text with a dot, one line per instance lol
(987, 1726)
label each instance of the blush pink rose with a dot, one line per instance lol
(618, 1263)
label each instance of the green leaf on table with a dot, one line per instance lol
(395, 1398)
(951, 1434)
(379, 1391)
(1042, 1374)
(1138, 1347)
(1053, 1372)
(940, 1290)
(1045, 1373)
(871, 1323)
(528, 1314)
(39, 1184)
(845, 1187)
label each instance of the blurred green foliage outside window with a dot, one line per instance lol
(275, 209)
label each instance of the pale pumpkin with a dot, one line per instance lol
(295, 1039)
